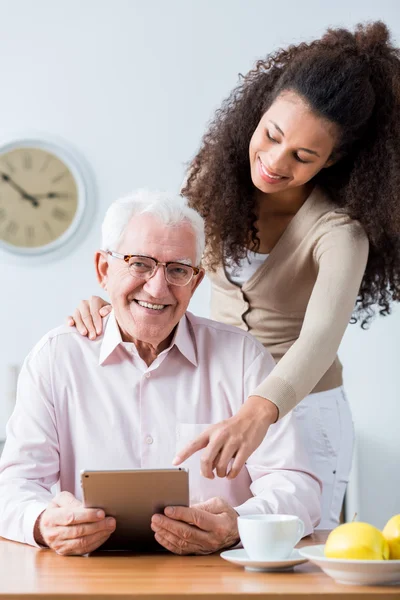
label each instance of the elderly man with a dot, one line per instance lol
(155, 379)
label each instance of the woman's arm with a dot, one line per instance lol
(234, 439)
(341, 256)
(87, 317)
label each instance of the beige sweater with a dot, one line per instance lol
(299, 302)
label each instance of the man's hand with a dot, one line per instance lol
(70, 529)
(234, 439)
(201, 529)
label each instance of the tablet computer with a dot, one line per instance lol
(133, 497)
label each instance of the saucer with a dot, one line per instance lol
(240, 557)
(352, 571)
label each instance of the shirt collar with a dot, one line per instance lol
(183, 339)
(111, 338)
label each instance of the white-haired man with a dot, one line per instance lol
(155, 379)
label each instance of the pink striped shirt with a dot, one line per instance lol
(96, 405)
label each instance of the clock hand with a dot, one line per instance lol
(24, 194)
(62, 195)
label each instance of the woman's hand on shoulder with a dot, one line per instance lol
(87, 318)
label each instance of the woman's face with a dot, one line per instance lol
(290, 145)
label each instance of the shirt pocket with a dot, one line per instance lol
(200, 488)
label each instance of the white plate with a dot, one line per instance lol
(240, 557)
(354, 572)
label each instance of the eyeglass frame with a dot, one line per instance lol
(127, 257)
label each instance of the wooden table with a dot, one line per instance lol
(30, 573)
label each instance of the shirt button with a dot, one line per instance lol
(149, 439)
(147, 375)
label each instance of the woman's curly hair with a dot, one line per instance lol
(350, 79)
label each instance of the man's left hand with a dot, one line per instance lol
(200, 529)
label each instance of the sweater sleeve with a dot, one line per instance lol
(341, 256)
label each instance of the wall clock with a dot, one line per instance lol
(45, 195)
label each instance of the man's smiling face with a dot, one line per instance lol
(130, 296)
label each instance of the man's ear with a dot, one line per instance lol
(197, 280)
(101, 266)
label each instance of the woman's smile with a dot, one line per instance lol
(268, 175)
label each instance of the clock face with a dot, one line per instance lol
(38, 197)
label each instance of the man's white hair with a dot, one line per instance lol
(168, 208)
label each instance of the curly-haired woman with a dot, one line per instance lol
(298, 180)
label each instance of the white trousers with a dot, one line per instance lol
(328, 434)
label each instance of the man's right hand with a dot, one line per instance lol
(69, 528)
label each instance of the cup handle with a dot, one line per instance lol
(300, 530)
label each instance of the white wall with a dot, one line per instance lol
(131, 84)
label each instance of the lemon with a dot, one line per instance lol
(391, 533)
(357, 540)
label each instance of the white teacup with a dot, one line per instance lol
(270, 537)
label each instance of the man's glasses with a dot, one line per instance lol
(144, 267)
